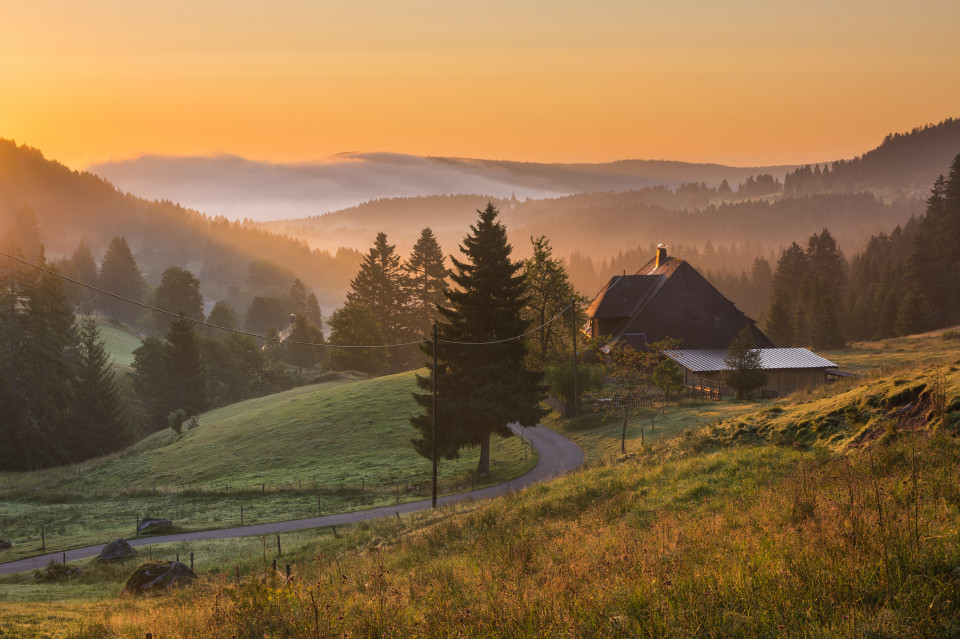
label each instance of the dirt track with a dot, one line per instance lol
(557, 456)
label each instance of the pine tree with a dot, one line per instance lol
(98, 426)
(49, 351)
(426, 279)
(483, 384)
(380, 286)
(119, 274)
(149, 382)
(313, 313)
(84, 264)
(178, 293)
(298, 297)
(183, 367)
(779, 321)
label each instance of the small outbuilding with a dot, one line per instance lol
(788, 370)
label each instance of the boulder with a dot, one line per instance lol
(158, 575)
(116, 549)
(152, 524)
(5, 545)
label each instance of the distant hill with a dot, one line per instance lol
(73, 205)
(905, 163)
(239, 188)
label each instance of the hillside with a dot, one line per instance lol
(239, 188)
(345, 442)
(764, 524)
(72, 206)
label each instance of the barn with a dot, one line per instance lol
(788, 370)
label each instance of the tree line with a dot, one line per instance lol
(903, 282)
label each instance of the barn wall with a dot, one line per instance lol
(781, 381)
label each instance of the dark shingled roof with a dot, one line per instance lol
(671, 299)
(619, 297)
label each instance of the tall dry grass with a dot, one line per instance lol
(678, 540)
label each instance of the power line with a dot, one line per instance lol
(265, 337)
(510, 339)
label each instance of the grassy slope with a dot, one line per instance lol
(717, 532)
(344, 444)
(119, 343)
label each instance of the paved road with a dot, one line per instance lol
(557, 456)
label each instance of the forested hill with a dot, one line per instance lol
(904, 162)
(71, 206)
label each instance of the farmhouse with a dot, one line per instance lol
(667, 298)
(788, 370)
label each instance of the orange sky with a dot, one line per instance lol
(742, 82)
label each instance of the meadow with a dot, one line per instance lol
(828, 513)
(318, 449)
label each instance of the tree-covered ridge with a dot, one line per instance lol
(903, 282)
(904, 161)
(82, 206)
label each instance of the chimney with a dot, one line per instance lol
(661, 254)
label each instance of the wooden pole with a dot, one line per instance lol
(433, 438)
(576, 394)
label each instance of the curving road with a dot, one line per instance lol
(557, 456)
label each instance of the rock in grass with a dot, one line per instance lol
(116, 549)
(5, 545)
(153, 524)
(158, 575)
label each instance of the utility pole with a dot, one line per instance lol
(576, 394)
(433, 438)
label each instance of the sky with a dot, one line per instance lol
(741, 82)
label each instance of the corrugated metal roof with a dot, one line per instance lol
(704, 360)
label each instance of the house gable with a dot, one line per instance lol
(668, 298)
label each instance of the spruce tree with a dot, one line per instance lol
(84, 264)
(119, 274)
(483, 383)
(380, 286)
(183, 368)
(426, 280)
(98, 426)
(178, 293)
(48, 357)
(313, 313)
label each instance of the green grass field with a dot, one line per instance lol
(828, 513)
(331, 447)
(119, 342)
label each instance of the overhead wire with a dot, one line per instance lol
(266, 337)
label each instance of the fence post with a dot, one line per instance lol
(241, 514)
(43, 541)
(279, 552)
(191, 561)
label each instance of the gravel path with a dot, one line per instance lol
(557, 456)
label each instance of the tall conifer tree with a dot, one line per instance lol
(482, 381)
(119, 274)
